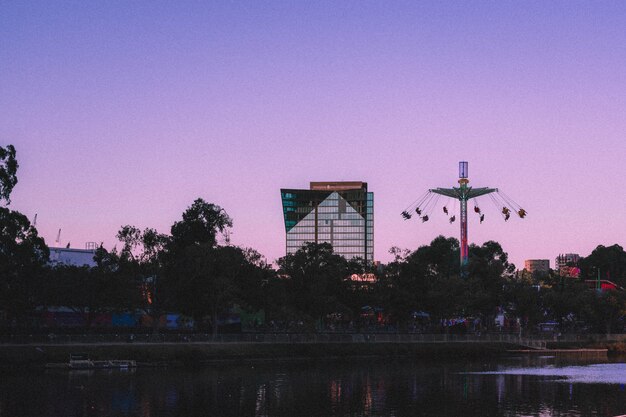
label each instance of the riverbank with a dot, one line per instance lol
(613, 348)
(194, 354)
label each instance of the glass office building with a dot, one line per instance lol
(339, 213)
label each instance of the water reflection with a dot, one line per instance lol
(364, 388)
(595, 374)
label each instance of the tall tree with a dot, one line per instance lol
(208, 281)
(604, 311)
(527, 301)
(421, 279)
(566, 301)
(23, 253)
(202, 276)
(200, 225)
(8, 172)
(141, 261)
(254, 280)
(607, 261)
(489, 270)
(315, 277)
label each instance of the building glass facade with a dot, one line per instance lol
(339, 213)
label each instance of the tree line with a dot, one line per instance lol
(187, 271)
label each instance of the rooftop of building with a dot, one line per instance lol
(338, 185)
(72, 250)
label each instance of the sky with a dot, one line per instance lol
(125, 112)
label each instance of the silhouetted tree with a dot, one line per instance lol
(604, 311)
(23, 253)
(141, 261)
(90, 291)
(488, 272)
(8, 172)
(315, 277)
(209, 281)
(424, 280)
(200, 224)
(608, 261)
(526, 302)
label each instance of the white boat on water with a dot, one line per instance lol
(82, 361)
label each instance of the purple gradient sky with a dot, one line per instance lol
(125, 112)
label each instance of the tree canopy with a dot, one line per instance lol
(190, 272)
(8, 172)
(200, 224)
(315, 278)
(609, 262)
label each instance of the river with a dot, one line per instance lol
(513, 386)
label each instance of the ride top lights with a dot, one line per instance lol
(463, 169)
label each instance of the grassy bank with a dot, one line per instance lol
(198, 353)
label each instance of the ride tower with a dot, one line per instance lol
(463, 193)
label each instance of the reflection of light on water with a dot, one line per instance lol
(259, 405)
(606, 373)
(546, 411)
(367, 404)
(500, 382)
(279, 382)
(335, 391)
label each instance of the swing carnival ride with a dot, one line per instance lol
(425, 204)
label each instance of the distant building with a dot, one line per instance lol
(76, 257)
(340, 213)
(537, 266)
(566, 259)
(567, 265)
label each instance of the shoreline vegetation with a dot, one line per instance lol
(192, 280)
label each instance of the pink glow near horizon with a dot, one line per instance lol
(124, 113)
